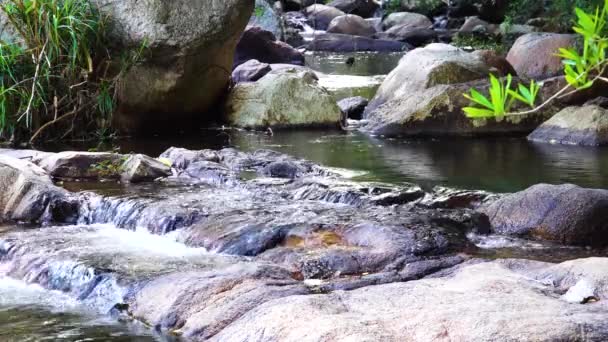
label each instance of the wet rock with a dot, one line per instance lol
(352, 25)
(423, 97)
(158, 92)
(141, 168)
(250, 71)
(353, 107)
(28, 195)
(534, 55)
(362, 8)
(257, 43)
(286, 99)
(497, 63)
(472, 24)
(413, 20)
(82, 165)
(181, 158)
(449, 198)
(563, 213)
(282, 169)
(335, 42)
(443, 306)
(584, 126)
(319, 16)
(412, 35)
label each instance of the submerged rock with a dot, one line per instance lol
(563, 213)
(285, 99)
(586, 126)
(161, 90)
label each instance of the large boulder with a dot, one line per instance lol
(414, 36)
(406, 18)
(423, 96)
(351, 24)
(566, 214)
(534, 54)
(190, 45)
(507, 300)
(28, 195)
(336, 42)
(257, 43)
(586, 126)
(72, 165)
(289, 98)
(363, 8)
(319, 16)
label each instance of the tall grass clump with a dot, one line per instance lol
(56, 77)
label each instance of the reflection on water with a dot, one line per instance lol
(500, 165)
(359, 63)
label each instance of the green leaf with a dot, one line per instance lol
(478, 113)
(479, 99)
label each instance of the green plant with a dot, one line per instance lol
(582, 69)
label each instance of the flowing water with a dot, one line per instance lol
(127, 258)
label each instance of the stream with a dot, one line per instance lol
(118, 260)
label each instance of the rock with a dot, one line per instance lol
(406, 18)
(82, 165)
(319, 16)
(141, 168)
(581, 293)
(266, 17)
(534, 55)
(353, 107)
(412, 35)
(160, 90)
(352, 25)
(286, 99)
(181, 158)
(584, 126)
(423, 97)
(426, 7)
(262, 45)
(335, 42)
(283, 169)
(471, 25)
(296, 5)
(567, 214)
(498, 64)
(28, 195)
(250, 71)
(362, 8)
(435, 307)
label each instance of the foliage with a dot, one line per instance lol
(56, 71)
(582, 69)
(109, 168)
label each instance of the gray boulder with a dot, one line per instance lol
(257, 43)
(82, 165)
(352, 25)
(585, 126)
(423, 96)
(190, 44)
(319, 16)
(362, 8)
(141, 168)
(566, 214)
(28, 195)
(289, 98)
(250, 71)
(353, 107)
(534, 54)
(406, 18)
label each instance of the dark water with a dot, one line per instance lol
(363, 63)
(499, 165)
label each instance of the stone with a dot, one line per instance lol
(335, 42)
(471, 25)
(406, 18)
(250, 71)
(414, 36)
(190, 45)
(534, 55)
(319, 16)
(28, 195)
(285, 99)
(257, 43)
(583, 126)
(353, 107)
(82, 165)
(566, 214)
(352, 25)
(449, 307)
(423, 97)
(362, 8)
(141, 168)
(266, 17)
